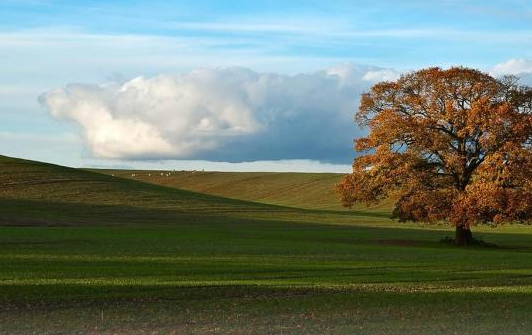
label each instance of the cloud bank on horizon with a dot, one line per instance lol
(229, 114)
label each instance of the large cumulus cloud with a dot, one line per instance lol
(231, 114)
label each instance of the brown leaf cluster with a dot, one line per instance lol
(455, 145)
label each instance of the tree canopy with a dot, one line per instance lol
(450, 145)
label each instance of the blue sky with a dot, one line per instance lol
(341, 47)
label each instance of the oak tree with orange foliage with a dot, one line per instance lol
(450, 145)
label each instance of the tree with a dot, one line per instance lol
(450, 145)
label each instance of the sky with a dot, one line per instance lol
(227, 85)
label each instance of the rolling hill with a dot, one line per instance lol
(39, 193)
(301, 190)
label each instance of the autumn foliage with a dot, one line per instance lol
(450, 145)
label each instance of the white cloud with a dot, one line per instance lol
(231, 114)
(514, 66)
(520, 67)
(57, 148)
(381, 75)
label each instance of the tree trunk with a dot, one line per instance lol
(463, 236)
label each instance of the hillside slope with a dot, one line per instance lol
(301, 190)
(46, 194)
(39, 192)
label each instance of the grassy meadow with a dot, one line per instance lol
(85, 252)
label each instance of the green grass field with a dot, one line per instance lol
(83, 252)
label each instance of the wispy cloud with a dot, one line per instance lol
(321, 28)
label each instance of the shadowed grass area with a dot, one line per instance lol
(82, 252)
